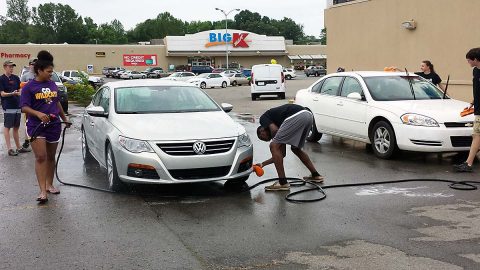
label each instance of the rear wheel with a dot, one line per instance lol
(288, 77)
(314, 135)
(234, 83)
(224, 84)
(384, 141)
(87, 157)
(203, 85)
(143, 77)
(114, 182)
(254, 97)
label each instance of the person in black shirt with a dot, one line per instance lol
(286, 124)
(428, 73)
(473, 58)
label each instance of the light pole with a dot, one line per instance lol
(226, 30)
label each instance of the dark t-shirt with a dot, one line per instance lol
(279, 114)
(8, 85)
(476, 90)
(42, 97)
(432, 77)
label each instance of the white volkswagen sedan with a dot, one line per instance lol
(388, 110)
(210, 80)
(154, 131)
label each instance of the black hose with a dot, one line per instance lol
(295, 182)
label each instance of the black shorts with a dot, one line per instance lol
(11, 119)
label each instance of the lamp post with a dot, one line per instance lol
(226, 30)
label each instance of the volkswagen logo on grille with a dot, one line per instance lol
(199, 148)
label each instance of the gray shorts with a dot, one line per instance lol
(11, 118)
(294, 129)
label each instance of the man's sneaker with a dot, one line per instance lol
(462, 167)
(316, 179)
(12, 152)
(26, 144)
(23, 150)
(277, 187)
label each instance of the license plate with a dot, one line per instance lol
(261, 83)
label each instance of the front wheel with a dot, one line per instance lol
(87, 157)
(234, 83)
(314, 135)
(383, 140)
(114, 182)
(254, 97)
(224, 84)
(288, 77)
(203, 85)
(143, 77)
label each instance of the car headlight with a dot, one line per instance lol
(244, 140)
(134, 146)
(418, 120)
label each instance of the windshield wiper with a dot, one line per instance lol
(446, 87)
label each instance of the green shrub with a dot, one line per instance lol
(81, 93)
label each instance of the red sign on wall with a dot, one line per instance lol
(139, 59)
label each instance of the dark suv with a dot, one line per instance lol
(151, 72)
(315, 71)
(201, 69)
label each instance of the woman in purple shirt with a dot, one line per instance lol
(40, 101)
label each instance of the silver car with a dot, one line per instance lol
(160, 131)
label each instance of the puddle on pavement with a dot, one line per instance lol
(406, 192)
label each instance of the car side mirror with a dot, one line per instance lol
(355, 96)
(97, 111)
(226, 107)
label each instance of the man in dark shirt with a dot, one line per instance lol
(473, 58)
(10, 94)
(286, 124)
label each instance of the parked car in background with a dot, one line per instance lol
(120, 130)
(75, 75)
(210, 80)
(247, 72)
(289, 73)
(218, 70)
(150, 72)
(159, 74)
(180, 76)
(315, 71)
(105, 70)
(238, 79)
(62, 91)
(113, 71)
(229, 72)
(389, 110)
(201, 69)
(267, 79)
(132, 75)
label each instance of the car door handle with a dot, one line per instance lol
(315, 99)
(340, 104)
(92, 124)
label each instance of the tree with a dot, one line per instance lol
(15, 24)
(163, 25)
(18, 11)
(323, 36)
(112, 33)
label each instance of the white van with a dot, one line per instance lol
(267, 79)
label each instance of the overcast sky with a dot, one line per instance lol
(309, 13)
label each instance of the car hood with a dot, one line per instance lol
(178, 126)
(442, 110)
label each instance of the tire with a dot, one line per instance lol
(314, 135)
(281, 96)
(316, 74)
(143, 77)
(254, 97)
(87, 157)
(224, 84)
(234, 83)
(114, 182)
(384, 142)
(131, 78)
(288, 77)
(308, 75)
(236, 184)
(203, 85)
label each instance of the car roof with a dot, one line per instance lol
(373, 73)
(146, 82)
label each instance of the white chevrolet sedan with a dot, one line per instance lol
(155, 131)
(210, 80)
(389, 110)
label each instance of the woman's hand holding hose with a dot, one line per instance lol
(43, 117)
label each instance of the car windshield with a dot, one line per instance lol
(162, 99)
(55, 77)
(175, 75)
(392, 88)
(204, 75)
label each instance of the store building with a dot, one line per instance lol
(373, 34)
(177, 52)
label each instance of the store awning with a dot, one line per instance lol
(307, 57)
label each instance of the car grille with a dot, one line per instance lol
(426, 143)
(458, 124)
(186, 149)
(200, 173)
(461, 141)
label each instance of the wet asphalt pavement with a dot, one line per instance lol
(207, 226)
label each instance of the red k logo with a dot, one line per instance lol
(239, 41)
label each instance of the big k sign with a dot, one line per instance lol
(215, 41)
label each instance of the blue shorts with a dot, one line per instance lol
(11, 118)
(50, 132)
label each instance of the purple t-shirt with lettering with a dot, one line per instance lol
(42, 97)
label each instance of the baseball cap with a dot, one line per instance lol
(9, 63)
(32, 61)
